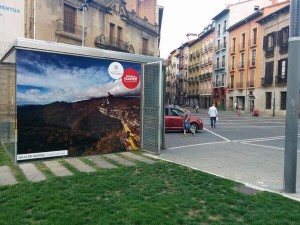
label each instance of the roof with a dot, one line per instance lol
(223, 12)
(272, 16)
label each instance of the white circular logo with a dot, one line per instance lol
(115, 70)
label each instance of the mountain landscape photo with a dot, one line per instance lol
(95, 126)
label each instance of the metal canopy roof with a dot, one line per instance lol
(60, 48)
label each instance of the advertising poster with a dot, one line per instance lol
(73, 106)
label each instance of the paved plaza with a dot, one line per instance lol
(246, 149)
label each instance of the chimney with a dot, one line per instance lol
(256, 7)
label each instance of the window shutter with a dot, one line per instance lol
(265, 44)
(286, 67)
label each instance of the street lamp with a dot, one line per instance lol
(83, 8)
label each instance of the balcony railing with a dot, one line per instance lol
(269, 52)
(250, 83)
(240, 85)
(241, 65)
(252, 63)
(266, 81)
(232, 50)
(281, 80)
(230, 86)
(221, 83)
(232, 67)
(65, 27)
(242, 47)
(252, 42)
(146, 52)
(284, 48)
(223, 45)
(217, 48)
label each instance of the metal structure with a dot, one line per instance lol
(292, 113)
(83, 8)
(152, 108)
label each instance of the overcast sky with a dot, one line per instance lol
(186, 16)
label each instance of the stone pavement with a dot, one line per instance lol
(109, 161)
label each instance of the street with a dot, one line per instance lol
(246, 149)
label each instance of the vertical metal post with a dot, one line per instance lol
(83, 25)
(274, 103)
(291, 127)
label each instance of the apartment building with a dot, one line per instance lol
(194, 71)
(245, 58)
(274, 69)
(227, 17)
(107, 25)
(206, 65)
(171, 78)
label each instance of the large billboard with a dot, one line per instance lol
(73, 105)
(11, 21)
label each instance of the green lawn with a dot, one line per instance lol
(162, 193)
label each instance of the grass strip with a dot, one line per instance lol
(161, 193)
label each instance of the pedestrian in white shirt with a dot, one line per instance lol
(213, 113)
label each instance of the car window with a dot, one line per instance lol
(166, 111)
(176, 112)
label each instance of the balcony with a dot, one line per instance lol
(144, 51)
(223, 46)
(250, 83)
(266, 81)
(240, 85)
(217, 48)
(242, 47)
(114, 44)
(230, 86)
(232, 50)
(283, 48)
(252, 43)
(217, 66)
(221, 84)
(232, 67)
(241, 65)
(279, 80)
(215, 84)
(252, 63)
(269, 52)
(69, 30)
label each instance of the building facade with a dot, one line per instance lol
(274, 70)
(245, 60)
(107, 25)
(206, 65)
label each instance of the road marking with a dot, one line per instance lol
(266, 146)
(217, 135)
(261, 139)
(210, 143)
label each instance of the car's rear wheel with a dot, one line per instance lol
(194, 127)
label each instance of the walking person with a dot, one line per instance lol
(213, 113)
(238, 111)
(186, 121)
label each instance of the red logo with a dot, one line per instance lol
(130, 78)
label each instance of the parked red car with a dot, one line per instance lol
(174, 120)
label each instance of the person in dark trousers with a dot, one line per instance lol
(213, 113)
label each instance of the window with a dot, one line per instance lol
(69, 17)
(283, 38)
(111, 33)
(254, 36)
(119, 36)
(223, 61)
(232, 62)
(233, 44)
(242, 60)
(253, 58)
(219, 29)
(269, 72)
(218, 47)
(145, 46)
(218, 63)
(283, 100)
(243, 40)
(224, 42)
(268, 100)
(231, 81)
(282, 68)
(225, 26)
